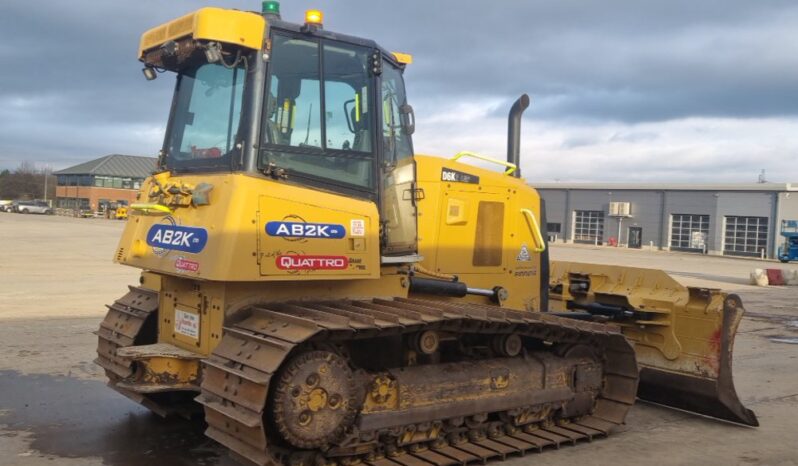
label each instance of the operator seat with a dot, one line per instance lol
(362, 141)
(272, 128)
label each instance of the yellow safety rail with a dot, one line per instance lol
(511, 167)
(540, 244)
(149, 207)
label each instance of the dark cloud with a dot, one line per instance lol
(633, 136)
(579, 141)
(71, 87)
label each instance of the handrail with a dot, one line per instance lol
(540, 244)
(511, 167)
(149, 207)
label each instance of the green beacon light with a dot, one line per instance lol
(271, 7)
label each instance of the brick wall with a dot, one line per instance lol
(94, 194)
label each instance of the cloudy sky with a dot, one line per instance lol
(674, 91)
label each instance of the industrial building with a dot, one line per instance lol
(97, 184)
(720, 219)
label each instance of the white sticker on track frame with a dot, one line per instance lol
(187, 323)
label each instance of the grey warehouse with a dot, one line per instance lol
(743, 219)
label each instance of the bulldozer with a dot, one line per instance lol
(323, 295)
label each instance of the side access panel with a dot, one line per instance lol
(301, 239)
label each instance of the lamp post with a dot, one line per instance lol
(46, 175)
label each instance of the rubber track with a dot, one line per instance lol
(236, 376)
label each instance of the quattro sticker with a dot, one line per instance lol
(305, 230)
(185, 265)
(164, 237)
(303, 262)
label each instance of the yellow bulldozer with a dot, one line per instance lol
(326, 296)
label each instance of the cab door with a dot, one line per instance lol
(398, 169)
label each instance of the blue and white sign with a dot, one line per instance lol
(177, 238)
(306, 230)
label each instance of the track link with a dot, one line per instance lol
(131, 320)
(122, 327)
(237, 376)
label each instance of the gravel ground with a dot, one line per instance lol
(56, 276)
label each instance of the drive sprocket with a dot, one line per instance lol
(315, 399)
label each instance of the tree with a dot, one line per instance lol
(26, 182)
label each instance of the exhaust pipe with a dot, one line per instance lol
(514, 133)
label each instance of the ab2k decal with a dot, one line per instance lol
(164, 237)
(302, 262)
(305, 230)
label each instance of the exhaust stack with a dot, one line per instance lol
(514, 133)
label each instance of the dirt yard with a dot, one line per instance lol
(56, 275)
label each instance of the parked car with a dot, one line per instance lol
(5, 206)
(34, 207)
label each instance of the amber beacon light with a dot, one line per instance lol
(314, 17)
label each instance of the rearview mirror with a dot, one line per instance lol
(408, 119)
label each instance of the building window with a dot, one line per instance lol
(745, 236)
(73, 203)
(689, 232)
(588, 226)
(553, 231)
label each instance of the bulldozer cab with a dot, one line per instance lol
(335, 119)
(310, 107)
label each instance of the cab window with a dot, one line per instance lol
(395, 138)
(318, 121)
(206, 117)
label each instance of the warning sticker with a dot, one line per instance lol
(523, 254)
(357, 227)
(187, 323)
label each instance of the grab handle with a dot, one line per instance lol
(534, 227)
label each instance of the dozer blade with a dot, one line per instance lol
(683, 336)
